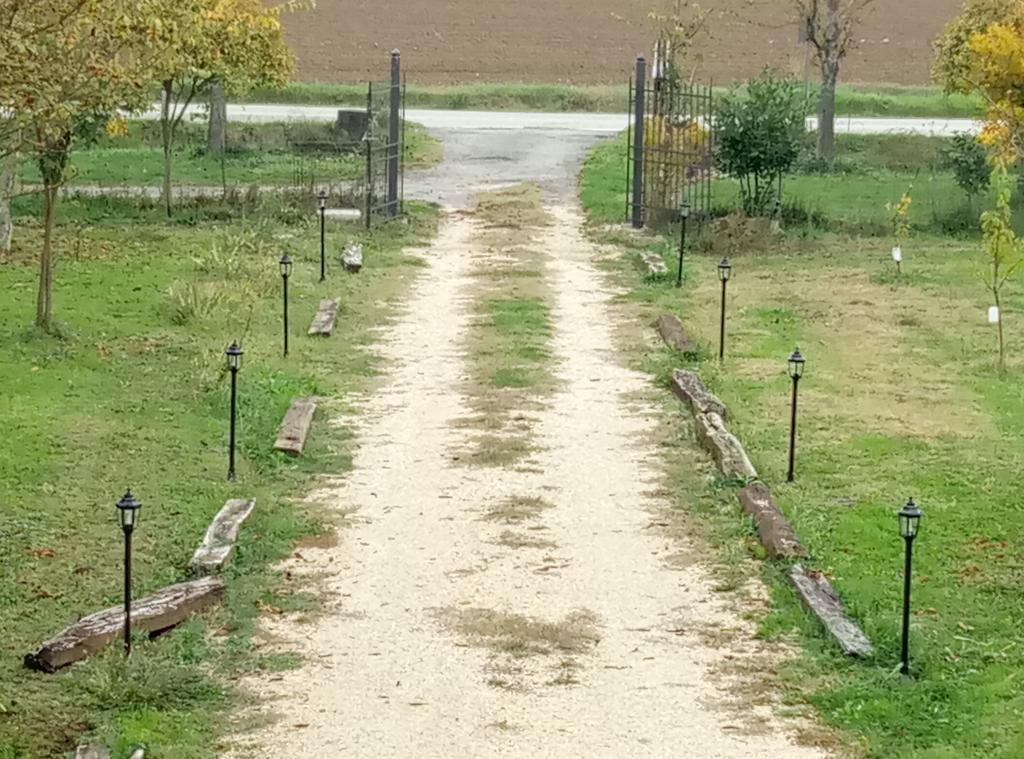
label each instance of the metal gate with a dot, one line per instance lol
(384, 190)
(670, 154)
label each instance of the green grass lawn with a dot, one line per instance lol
(851, 100)
(871, 172)
(257, 154)
(901, 398)
(134, 394)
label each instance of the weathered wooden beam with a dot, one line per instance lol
(352, 258)
(215, 551)
(92, 751)
(821, 599)
(773, 530)
(655, 264)
(674, 334)
(291, 437)
(326, 316)
(724, 447)
(691, 390)
(155, 614)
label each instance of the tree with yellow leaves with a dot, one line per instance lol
(65, 67)
(237, 44)
(982, 51)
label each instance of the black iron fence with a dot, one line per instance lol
(670, 159)
(384, 150)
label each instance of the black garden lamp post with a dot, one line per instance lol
(684, 216)
(285, 262)
(796, 371)
(724, 274)
(323, 220)
(234, 355)
(910, 521)
(128, 509)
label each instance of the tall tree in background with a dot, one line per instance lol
(828, 28)
(235, 44)
(65, 68)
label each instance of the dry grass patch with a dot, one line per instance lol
(517, 540)
(513, 208)
(517, 509)
(520, 636)
(508, 343)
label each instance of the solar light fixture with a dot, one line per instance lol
(724, 275)
(910, 522)
(796, 371)
(285, 264)
(128, 510)
(234, 355)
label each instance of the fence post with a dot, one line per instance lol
(394, 131)
(638, 143)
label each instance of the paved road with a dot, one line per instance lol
(583, 123)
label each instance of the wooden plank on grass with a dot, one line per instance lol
(291, 437)
(352, 258)
(165, 609)
(326, 316)
(689, 388)
(655, 264)
(214, 552)
(674, 334)
(818, 595)
(773, 529)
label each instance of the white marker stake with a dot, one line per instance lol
(993, 314)
(897, 254)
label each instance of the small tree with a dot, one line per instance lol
(828, 28)
(677, 30)
(67, 65)
(968, 160)
(759, 131)
(1004, 251)
(900, 225)
(237, 44)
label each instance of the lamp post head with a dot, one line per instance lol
(234, 355)
(684, 210)
(910, 519)
(796, 364)
(724, 270)
(285, 262)
(322, 196)
(128, 509)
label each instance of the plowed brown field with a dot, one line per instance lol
(589, 41)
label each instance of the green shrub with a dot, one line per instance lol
(760, 130)
(968, 160)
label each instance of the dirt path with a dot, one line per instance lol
(536, 611)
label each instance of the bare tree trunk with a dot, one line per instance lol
(44, 298)
(7, 173)
(217, 128)
(827, 111)
(167, 137)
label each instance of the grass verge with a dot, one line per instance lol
(298, 153)
(901, 397)
(508, 342)
(851, 100)
(132, 393)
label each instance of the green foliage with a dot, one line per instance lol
(760, 131)
(968, 160)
